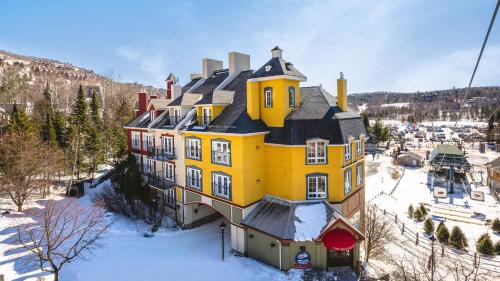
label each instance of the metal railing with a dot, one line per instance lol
(159, 181)
(160, 153)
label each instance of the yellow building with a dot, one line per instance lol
(282, 164)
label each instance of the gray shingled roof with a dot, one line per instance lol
(142, 121)
(277, 217)
(278, 67)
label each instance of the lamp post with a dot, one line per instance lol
(222, 226)
(431, 265)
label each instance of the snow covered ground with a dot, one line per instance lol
(170, 254)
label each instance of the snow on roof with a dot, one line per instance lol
(310, 220)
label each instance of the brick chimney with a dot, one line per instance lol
(143, 102)
(170, 81)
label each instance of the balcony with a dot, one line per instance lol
(221, 157)
(161, 154)
(159, 182)
(148, 147)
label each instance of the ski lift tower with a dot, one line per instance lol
(449, 157)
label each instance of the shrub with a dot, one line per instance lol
(484, 245)
(418, 216)
(497, 247)
(429, 226)
(423, 210)
(442, 233)
(410, 211)
(457, 239)
(496, 225)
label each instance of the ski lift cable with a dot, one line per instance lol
(475, 67)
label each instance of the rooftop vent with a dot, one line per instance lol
(277, 52)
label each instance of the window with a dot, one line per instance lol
(152, 115)
(347, 152)
(347, 181)
(148, 166)
(221, 152)
(169, 197)
(316, 152)
(268, 97)
(147, 142)
(193, 150)
(359, 174)
(205, 120)
(316, 186)
(291, 96)
(221, 185)
(177, 115)
(168, 145)
(359, 148)
(169, 171)
(194, 178)
(136, 140)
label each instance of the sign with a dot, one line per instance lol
(302, 260)
(440, 192)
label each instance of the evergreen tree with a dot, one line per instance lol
(497, 247)
(417, 215)
(495, 226)
(442, 233)
(423, 210)
(20, 122)
(61, 130)
(44, 115)
(484, 245)
(458, 239)
(366, 121)
(429, 226)
(410, 211)
(380, 132)
(79, 129)
(94, 140)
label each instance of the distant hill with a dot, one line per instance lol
(430, 105)
(23, 78)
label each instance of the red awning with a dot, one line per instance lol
(339, 240)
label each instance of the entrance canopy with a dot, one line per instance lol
(339, 239)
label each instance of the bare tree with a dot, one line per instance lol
(416, 267)
(378, 232)
(63, 231)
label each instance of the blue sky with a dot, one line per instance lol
(379, 45)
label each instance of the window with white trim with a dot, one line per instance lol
(136, 140)
(291, 96)
(359, 174)
(193, 176)
(169, 197)
(221, 152)
(206, 117)
(193, 149)
(316, 152)
(177, 115)
(148, 166)
(317, 186)
(347, 181)
(359, 148)
(348, 152)
(147, 142)
(169, 171)
(168, 145)
(152, 115)
(268, 97)
(221, 185)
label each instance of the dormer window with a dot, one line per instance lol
(316, 152)
(206, 117)
(152, 115)
(291, 96)
(268, 68)
(268, 97)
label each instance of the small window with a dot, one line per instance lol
(193, 178)
(268, 97)
(147, 142)
(347, 181)
(291, 96)
(177, 116)
(348, 152)
(168, 145)
(148, 166)
(221, 185)
(193, 149)
(359, 148)
(206, 117)
(316, 186)
(316, 152)
(221, 152)
(136, 140)
(359, 175)
(152, 115)
(169, 197)
(169, 171)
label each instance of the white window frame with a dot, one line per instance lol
(169, 171)
(205, 117)
(313, 152)
(148, 166)
(146, 139)
(221, 152)
(136, 140)
(268, 97)
(314, 182)
(348, 151)
(168, 144)
(194, 178)
(359, 174)
(221, 185)
(291, 96)
(177, 115)
(193, 149)
(152, 115)
(347, 181)
(359, 148)
(169, 195)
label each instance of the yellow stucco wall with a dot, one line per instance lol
(216, 110)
